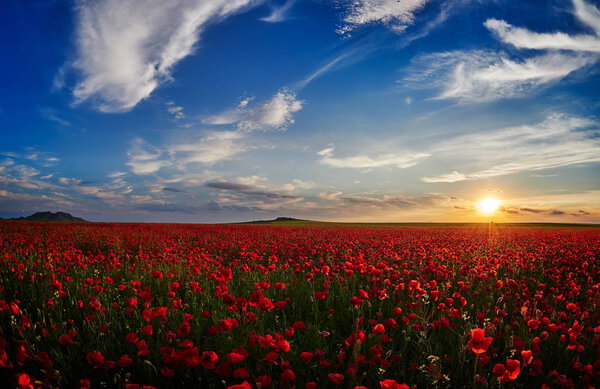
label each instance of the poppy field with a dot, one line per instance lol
(86, 305)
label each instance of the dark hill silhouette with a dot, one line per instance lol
(278, 220)
(49, 217)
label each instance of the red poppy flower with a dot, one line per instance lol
(95, 358)
(23, 379)
(287, 376)
(132, 338)
(378, 329)
(209, 360)
(336, 378)
(479, 343)
(148, 330)
(264, 381)
(306, 356)
(228, 324)
(527, 357)
(243, 385)
(241, 373)
(65, 340)
(392, 384)
(124, 361)
(234, 358)
(499, 370)
(513, 367)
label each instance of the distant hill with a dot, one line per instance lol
(278, 220)
(49, 217)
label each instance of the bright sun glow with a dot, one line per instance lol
(488, 206)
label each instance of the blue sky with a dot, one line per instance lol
(349, 110)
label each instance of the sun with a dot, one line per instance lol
(488, 205)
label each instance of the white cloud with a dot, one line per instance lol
(327, 152)
(12, 201)
(557, 141)
(525, 39)
(145, 158)
(117, 174)
(300, 184)
(23, 175)
(330, 196)
(127, 48)
(213, 147)
(450, 177)
(250, 180)
(53, 115)
(397, 15)
(279, 12)
(273, 114)
(482, 76)
(401, 160)
(587, 14)
(348, 56)
(387, 201)
(192, 179)
(69, 181)
(176, 111)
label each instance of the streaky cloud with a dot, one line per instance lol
(279, 13)
(588, 14)
(558, 141)
(212, 147)
(401, 160)
(526, 39)
(485, 76)
(128, 48)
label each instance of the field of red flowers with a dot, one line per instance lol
(233, 306)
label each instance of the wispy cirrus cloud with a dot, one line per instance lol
(209, 149)
(397, 201)
(346, 57)
(520, 37)
(558, 141)
(27, 170)
(54, 115)
(250, 196)
(212, 147)
(127, 49)
(397, 15)
(279, 12)
(588, 14)
(273, 114)
(375, 12)
(145, 158)
(12, 201)
(485, 75)
(401, 160)
(526, 39)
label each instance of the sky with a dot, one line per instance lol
(214, 111)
